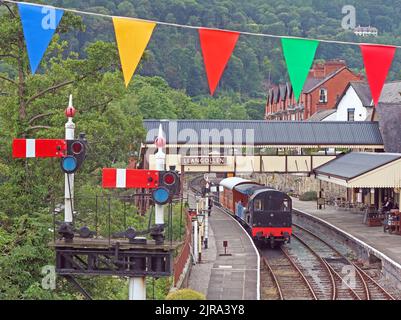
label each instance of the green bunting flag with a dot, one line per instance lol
(299, 55)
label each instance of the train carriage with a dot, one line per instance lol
(265, 212)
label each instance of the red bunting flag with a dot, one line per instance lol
(377, 60)
(217, 47)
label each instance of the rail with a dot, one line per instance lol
(368, 284)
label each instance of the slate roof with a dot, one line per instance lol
(391, 92)
(321, 114)
(267, 132)
(363, 91)
(389, 117)
(316, 82)
(354, 164)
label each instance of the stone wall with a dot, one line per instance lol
(300, 184)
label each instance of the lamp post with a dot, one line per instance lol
(195, 240)
(200, 217)
(207, 213)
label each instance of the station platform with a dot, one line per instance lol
(372, 238)
(234, 277)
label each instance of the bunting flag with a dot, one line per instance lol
(299, 55)
(377, 60)
(217, 47)
(132, 39)
(39, 24)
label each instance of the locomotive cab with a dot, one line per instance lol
(265, 213)
(271, 216)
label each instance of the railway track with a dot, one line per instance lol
(288, 282)
(311, 269)
(351, 282)
(327, 282)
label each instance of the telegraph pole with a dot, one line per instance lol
(69, 177)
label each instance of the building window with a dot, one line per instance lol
(323, 95)
(351, 115)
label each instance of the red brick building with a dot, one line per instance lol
(324, 85)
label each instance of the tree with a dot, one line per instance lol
(255, 109)
(32, 106)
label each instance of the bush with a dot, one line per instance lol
(308, 196)
(185, 294)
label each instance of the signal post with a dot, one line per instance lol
(69, 177)
(137, 285)
(81, 251)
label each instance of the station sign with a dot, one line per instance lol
(203, 161)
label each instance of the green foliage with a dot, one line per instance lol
(185, 294)
(32, 106)
(308, 196)
(83, 60)
(175, 52)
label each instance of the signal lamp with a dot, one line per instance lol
(76, 154)
(161, 195)
(77, 147)
(69, 164)
(169, 178)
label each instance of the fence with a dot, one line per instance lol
(181, 260)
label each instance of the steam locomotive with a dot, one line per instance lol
(264, 212)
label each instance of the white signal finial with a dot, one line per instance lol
(70, 102)
(160, 135)
(160, 140)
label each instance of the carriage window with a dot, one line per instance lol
(258, 205)
(286, 205)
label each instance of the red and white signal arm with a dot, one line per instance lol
(39, 148)
(130, 178)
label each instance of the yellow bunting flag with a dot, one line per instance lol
(132, 38)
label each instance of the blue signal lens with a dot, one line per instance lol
(160, 195)
(69, 164)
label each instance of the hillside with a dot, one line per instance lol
(174, 53)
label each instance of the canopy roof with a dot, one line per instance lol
(363, 170)
(357, 134)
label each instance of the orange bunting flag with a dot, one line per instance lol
(217, 47)
(132, 39)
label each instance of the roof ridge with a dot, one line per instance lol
(329, 76)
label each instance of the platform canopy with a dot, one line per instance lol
(363, 170)
(262, 133)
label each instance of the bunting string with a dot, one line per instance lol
(194, 27)
(39, 23)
